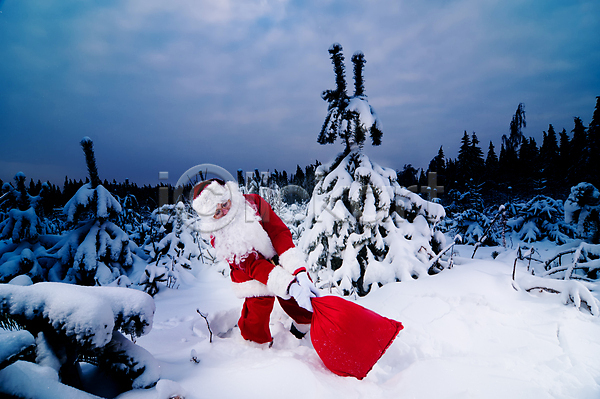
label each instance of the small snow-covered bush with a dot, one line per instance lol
(24, 219)
(471, 226)
(173, 255)
(582, 210)
(540, 218)
(20, 231)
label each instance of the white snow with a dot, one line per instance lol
(20, 375)
(13, 342)
(468, 334)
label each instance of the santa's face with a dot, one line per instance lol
(222, 209)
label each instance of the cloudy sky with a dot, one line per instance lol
(166, 85)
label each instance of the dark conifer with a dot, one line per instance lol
(549, 160)
(476, 158)
(491, 162)
(594, 145)
(579, 158)
(90, 159)
(464, 159)
(358, 59)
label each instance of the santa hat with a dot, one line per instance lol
(208, 194)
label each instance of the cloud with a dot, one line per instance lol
(165, 78)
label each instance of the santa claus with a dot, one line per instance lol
(264, 262)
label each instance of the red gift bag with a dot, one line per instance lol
(348, 338)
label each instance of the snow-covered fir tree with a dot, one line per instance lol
(471, 226)
(582, 210)
(20, 231)
(363, 228)
(172, 256)
(96, 251)
(539, 218)
(25, 217)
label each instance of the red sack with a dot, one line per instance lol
(348, 338)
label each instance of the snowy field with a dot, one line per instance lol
(468, 334)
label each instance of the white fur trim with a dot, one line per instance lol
(292, 260)
(279, 281)
(251, 288)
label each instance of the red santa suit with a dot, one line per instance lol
(248, 237)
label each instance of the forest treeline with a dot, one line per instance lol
(519, 168)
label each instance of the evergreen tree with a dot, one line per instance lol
(22, 227)
(409, 176)
(451, 177)
(354, 234)
(514, 140)
(491, 162)
(438, 165)
(240, 178)
(298, 178)
(71, 324)
(361, 228)
(477, 158)
(564, 156)
(594, 145)
(512, 143)
(96, 251)
(578, 158)
(464, 160)
(528, 163)
(549, 160)
(470, 159)
(24, 220)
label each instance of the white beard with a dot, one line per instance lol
(241, 233)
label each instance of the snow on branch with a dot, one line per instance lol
(584, 266)
(570, 291)
(14, 344)
(99, 201)
(86, 314)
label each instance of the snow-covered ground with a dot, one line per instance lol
(468, 334)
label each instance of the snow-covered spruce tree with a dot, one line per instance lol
(20, 230)
(172, 257)
(582, 210)
(96, 251)
(539, 218)
(470, 225)
(362, 228)
(25, 217)
(72, 324)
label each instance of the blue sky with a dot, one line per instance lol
(163, 86)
